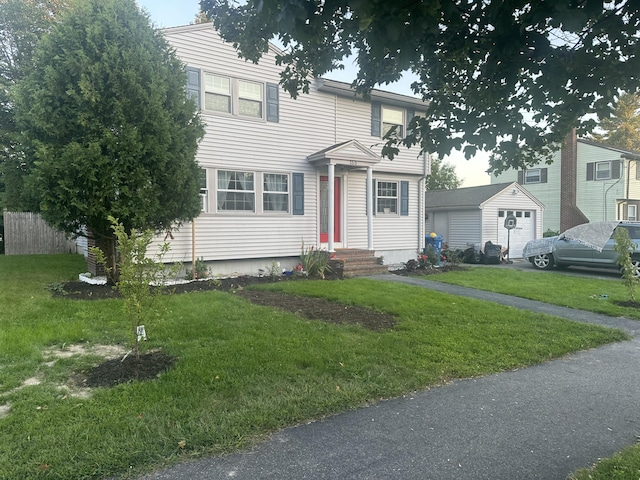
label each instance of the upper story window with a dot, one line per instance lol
(217, 94)
(233, 96)
(605, 170)
(532, 176)
(393, 120)
(249, 99)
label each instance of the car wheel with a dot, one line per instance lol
(544, 261)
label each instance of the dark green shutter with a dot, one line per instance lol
(615, 169)
(543, 175)
(404, 198)
(273, 103)
(193, 85)
(376, 120)
(521, 177)
(590, 169)
(298, 193)
(410, 114)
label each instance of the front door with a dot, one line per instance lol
(324, 209)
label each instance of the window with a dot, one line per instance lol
(204, 191)
(603, 170)
(217, 95)
(392, 117)
(532, 176)
(387, 197)
(275, 196)
(230, 95)
(632, 213)
(249, 99)
(236, 191)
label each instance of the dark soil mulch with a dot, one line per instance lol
(150, 365)
(117, 371)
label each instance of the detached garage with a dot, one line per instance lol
(470, 216)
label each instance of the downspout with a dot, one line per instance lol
(421, 201)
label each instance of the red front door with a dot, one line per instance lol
(324, 209)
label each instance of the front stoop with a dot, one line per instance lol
(357, 263)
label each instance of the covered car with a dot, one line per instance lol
(587, 245)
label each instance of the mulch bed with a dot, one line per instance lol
(150, 365)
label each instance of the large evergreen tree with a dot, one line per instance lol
(114, 134)
(22, 23)
(622, 128)
(508, 76)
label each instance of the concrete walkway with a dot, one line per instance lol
(541, 422)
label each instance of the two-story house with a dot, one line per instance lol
(586, 182)
(279, 172)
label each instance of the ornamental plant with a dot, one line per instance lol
(138, 273)
(315, 262)
(623, 246)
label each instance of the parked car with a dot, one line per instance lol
(581, 249)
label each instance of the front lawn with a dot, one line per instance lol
(590, 294)
(242, 370)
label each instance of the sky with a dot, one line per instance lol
(171, 13)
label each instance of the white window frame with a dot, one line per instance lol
(388, 121)
(236, 94)
(204, 190)
(268, 191)
(598, 176)
(225, 190)
(634, 217)
(389, 204)
(533, 175)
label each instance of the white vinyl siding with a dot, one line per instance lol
(237, 143)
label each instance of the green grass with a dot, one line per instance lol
(622, 466)
(243, 370)
(550, 287)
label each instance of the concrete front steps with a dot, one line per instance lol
(352, 262)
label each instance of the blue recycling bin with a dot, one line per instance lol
(435, 243)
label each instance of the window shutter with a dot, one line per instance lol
(521, 177)
(404, 198)
(410, 114)
(273, 103)
(543, 175)
(615, 169)
(376, 120)
(590, 168)
(298, 193)
(193, 85)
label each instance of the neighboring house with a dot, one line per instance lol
(278, 173)
(470, 217)
(586, 182)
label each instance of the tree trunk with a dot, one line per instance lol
(108, 247)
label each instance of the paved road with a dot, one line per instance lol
(541, 422)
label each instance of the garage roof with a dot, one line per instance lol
(470, 197)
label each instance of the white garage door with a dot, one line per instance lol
(525, 230)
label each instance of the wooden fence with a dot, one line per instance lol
(27, 233)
